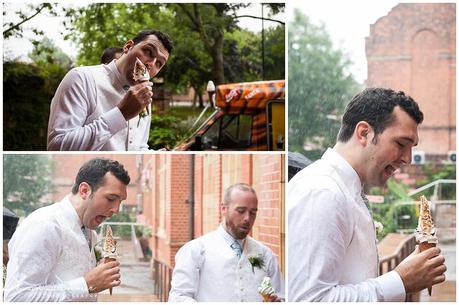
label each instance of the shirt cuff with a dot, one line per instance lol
(114, 120)
(78, 288)
(392, 287)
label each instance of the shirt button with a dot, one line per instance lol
(130, 142)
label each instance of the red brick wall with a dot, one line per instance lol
(413, 49)
(269, 184)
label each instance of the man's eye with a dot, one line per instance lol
(401, 145)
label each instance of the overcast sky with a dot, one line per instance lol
(347, 22)
(52, 26)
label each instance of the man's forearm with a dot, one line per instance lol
(74, 290)
(90, 137)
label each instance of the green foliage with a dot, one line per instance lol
(275, 53)
(394, 214)
(28, 90)
(45, 52)
(321, 83)
(26, 180)
(166, 131)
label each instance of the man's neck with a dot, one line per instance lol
(348, 153)
(228, 230)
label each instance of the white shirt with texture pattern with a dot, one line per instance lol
(84, 115)
(332, 254)
(49, 256)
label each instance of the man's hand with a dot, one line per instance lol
(136, 99)
(103, 277)
(422, 269)
(275, 298)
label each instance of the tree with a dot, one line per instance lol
(45, 52)
(26, 180)
(319, 87)
(16, 28)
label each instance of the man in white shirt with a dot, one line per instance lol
(331, 237)
(52, 252)
(101, 107)
(216, 266)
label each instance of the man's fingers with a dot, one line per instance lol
(437, 260)
(439, 270)
(439, 279)
(432, 252)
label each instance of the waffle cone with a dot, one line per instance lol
(423, 247)
(266, 297)
(107, 260)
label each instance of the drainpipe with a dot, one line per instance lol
(191, 198)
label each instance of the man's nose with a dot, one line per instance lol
(115, 209)
(406, 156)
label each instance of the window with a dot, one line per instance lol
(229, 132)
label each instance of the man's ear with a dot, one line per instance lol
(223, 208)
(128, 45)
(84, 190)
(363, 133)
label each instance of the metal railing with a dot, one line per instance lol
(162, 275)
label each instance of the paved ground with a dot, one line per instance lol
(136, 282)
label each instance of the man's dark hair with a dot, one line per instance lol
(109, 54)
(375, 106)
(93, 173)
(163, 37)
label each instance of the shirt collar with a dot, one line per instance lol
(70, 213)
(116, 77)
(350, 176)
(227, 237)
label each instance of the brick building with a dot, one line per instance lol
(181, 196)
(413, 49)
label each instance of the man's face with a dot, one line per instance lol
(104, 202)
(151, 53)
(392, 149)
(240, 213)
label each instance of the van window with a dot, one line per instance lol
(229, 132)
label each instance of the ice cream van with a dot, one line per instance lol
(247, 116)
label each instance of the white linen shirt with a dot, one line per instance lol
(332, 253)
(49, 256)
(207, 269)
(84, 115)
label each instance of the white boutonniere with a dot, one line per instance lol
(98, 251)
(257, 261)
(378, 227)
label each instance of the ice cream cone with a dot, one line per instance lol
(106, 260)
(266, 289)
(109, 249)
(140, 74)
(266, 297)
(425, 233)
